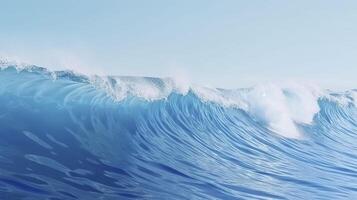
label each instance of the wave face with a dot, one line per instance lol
(70, 136)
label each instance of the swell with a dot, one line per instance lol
(71, 136)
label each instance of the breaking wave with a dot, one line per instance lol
(70, 136)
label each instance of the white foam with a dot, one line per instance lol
(279, 107)
(353, 95)
(224, 98)
(143, 87)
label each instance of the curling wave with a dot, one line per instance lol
(71, 136)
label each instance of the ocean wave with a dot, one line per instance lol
(278, 106)
(68, 135)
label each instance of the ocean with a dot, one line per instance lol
(65, 135)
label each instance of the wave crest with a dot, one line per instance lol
(279, 106)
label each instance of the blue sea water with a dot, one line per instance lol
(70, 136)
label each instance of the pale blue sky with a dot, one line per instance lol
(220, 43)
